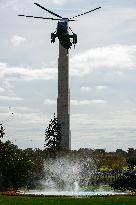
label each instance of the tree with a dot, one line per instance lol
(53, 135)
(125, 182)
(2, 133)
(131, 151)
(121, 152)
(15, 164)
(131, 163)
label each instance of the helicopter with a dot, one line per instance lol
(62, 31)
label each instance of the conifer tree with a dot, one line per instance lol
(53, 135)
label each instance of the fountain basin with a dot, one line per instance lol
(71, 193)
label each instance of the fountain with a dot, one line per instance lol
(65, 176)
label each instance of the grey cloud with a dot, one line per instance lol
(116, 57)
(27, 73)
(10, 98)
(87, 102)
(17, 40)
(2, 90)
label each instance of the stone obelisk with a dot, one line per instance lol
(63, 101)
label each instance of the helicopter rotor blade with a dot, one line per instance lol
(48, 10)
(85, 13)
(21, 15)
(72, 20)
(39, 17)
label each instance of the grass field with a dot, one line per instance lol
(108, 200)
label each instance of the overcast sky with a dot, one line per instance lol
(102, 72)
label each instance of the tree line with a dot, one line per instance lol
(25, 168)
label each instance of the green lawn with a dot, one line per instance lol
(110, 200)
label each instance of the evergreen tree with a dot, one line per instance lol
(53, 135)
(2, 133)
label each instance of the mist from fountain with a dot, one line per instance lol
(67, 176)
(64, 174)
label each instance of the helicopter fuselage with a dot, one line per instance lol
(63, 34)
(62, 26)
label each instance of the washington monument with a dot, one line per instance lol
(67, 38)
(63, 101)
